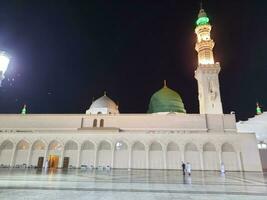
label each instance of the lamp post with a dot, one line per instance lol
(4, 61)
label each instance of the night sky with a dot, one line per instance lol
(65, 53)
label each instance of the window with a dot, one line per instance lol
(95, 123)
(101, 123)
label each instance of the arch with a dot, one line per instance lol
(38, 145)
(6, 150)
(226, 147)
(37, 151)
(54, 154)
(88, 149)
(172, 147)
(138, 156)
(121, 155)
(229, 157)
(155, 146)
(88, 145)
(22, 151)
(71, 145)
(104, 145)
(101, 122)
(138, 146)
(210, 157)
(70, 154)
(190, 147)
(55, 145)
(156, 156)
(95, 123)
(191, 155)
(104, 154)
(173, 156)
(209, 147)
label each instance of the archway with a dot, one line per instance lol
(121, 155)
(192, 156)
(229, 157)
(156, 156)
(6, 150)
(210, 157)
(173, 156)
(88, 154)
(70, 154)
(54, 154)
(22, 151)
(38, 150)
(104, 154)
(138, 156)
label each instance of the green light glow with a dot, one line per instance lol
(202, 21)
(24, 111)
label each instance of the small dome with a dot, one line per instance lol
(166, 100)
(103, 105)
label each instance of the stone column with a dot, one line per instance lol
(45, 155)
(62, 157)
(29, 155)
(130, 158)
(182, 153)
(13, 156)
(78, 156)
(201, 159)
(112, 156)
(96, 158)
(147, 157)
(164, 151)
(239, 161)
(219, 152)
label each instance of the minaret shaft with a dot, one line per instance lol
(207, 72)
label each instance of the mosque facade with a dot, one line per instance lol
(162, 138)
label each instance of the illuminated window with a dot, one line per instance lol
(262, 145)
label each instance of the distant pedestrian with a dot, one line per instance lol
(183, 168)
(188, 168)
(222, 168)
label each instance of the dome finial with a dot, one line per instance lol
(105, 93)
(201, 5)
(165, 83)
(258, 109)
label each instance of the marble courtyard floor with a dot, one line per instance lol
(31, 184)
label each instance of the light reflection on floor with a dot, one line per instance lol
(135, 184)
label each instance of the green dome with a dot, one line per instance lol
(166, 100)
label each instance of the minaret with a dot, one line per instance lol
(207, 70)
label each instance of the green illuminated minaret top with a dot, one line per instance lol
(202, 18)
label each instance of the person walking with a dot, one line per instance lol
(183, 167)
(188, 168)
(222, 169)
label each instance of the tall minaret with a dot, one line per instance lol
(207, 70)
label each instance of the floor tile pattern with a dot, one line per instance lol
(32, 184)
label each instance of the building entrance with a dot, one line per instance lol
(40, 162)
(53, 161)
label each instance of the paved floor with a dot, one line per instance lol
(128, 185)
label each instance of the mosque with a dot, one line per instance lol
(160, 139)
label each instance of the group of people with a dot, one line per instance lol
(186, 167)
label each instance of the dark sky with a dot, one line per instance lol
(64, 53)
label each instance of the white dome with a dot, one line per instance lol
(103, 105)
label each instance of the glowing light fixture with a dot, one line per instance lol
(202, 21)
(4, 61)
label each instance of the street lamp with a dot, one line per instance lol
(4, 61)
